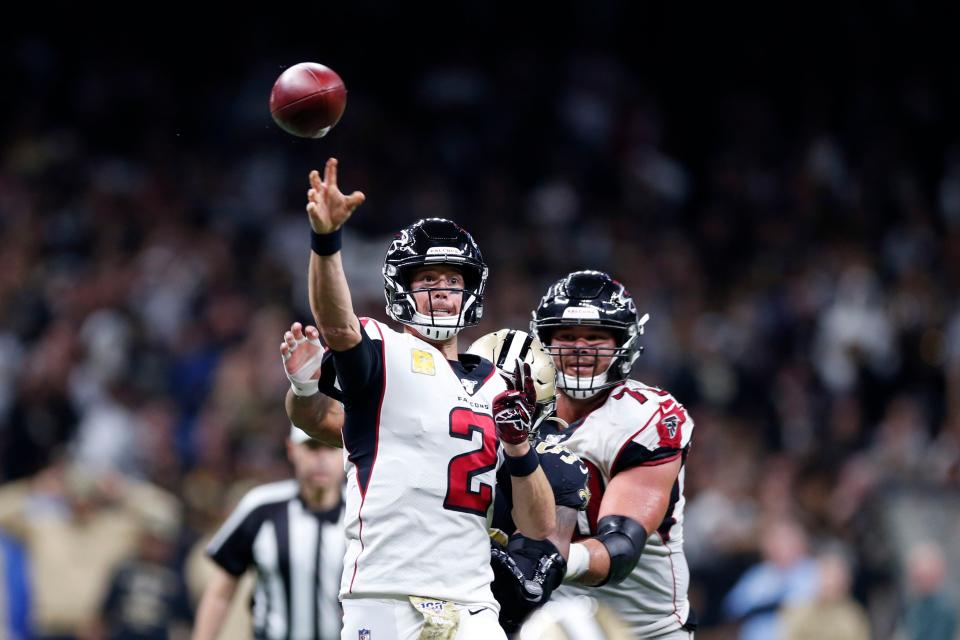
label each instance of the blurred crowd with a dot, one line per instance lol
(800, 263)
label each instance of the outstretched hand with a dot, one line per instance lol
(327, 207)
(513, 409)
(523, 382)
(302, 355)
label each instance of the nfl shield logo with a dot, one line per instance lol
(364, 634)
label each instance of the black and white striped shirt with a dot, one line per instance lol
(298, 555)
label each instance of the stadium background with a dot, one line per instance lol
(781, 192)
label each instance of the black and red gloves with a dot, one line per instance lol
(514, 408)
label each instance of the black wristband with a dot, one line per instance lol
(522, 466)
(326, 244)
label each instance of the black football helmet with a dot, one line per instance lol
(590, 298)
(434, 241)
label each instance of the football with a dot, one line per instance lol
(308, 99)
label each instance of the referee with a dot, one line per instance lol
(292, 532)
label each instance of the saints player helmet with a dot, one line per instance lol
(503, 348)
(434, 241)
(590, 298)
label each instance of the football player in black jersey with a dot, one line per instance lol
(526, 571)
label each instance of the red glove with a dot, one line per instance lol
(513, 409)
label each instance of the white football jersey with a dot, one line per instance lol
(637, 425)
(421, 456)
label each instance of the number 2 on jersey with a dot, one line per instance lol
(463, 468)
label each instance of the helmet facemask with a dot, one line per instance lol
(442, 327)
(415, 247)
(583, 387)
(590, 299)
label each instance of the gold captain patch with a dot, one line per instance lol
(422, 362)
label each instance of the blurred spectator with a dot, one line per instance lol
(147, 598)
(901, 439)
(15, 607)
(78, 526)
(855, 331)
(41, 418)
(786, 576)
(720, 522)
(931, 614)
(833, 614)
(109, 435)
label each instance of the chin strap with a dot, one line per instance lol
(435, 328)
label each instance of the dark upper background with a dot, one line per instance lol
(779, 188)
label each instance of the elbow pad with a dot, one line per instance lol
(624, 539)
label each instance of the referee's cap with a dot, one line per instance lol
(298, 436)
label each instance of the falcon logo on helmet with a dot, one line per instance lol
(590, 298)
(434, 241)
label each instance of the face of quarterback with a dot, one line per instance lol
(440, 301)
(316, 466)
(579, 356)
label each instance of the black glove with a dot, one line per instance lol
(525, 574)
(539, 561)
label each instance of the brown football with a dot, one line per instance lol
(308, 99)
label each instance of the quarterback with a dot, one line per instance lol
(420, 439)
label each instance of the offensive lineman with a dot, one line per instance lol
(635, 440)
